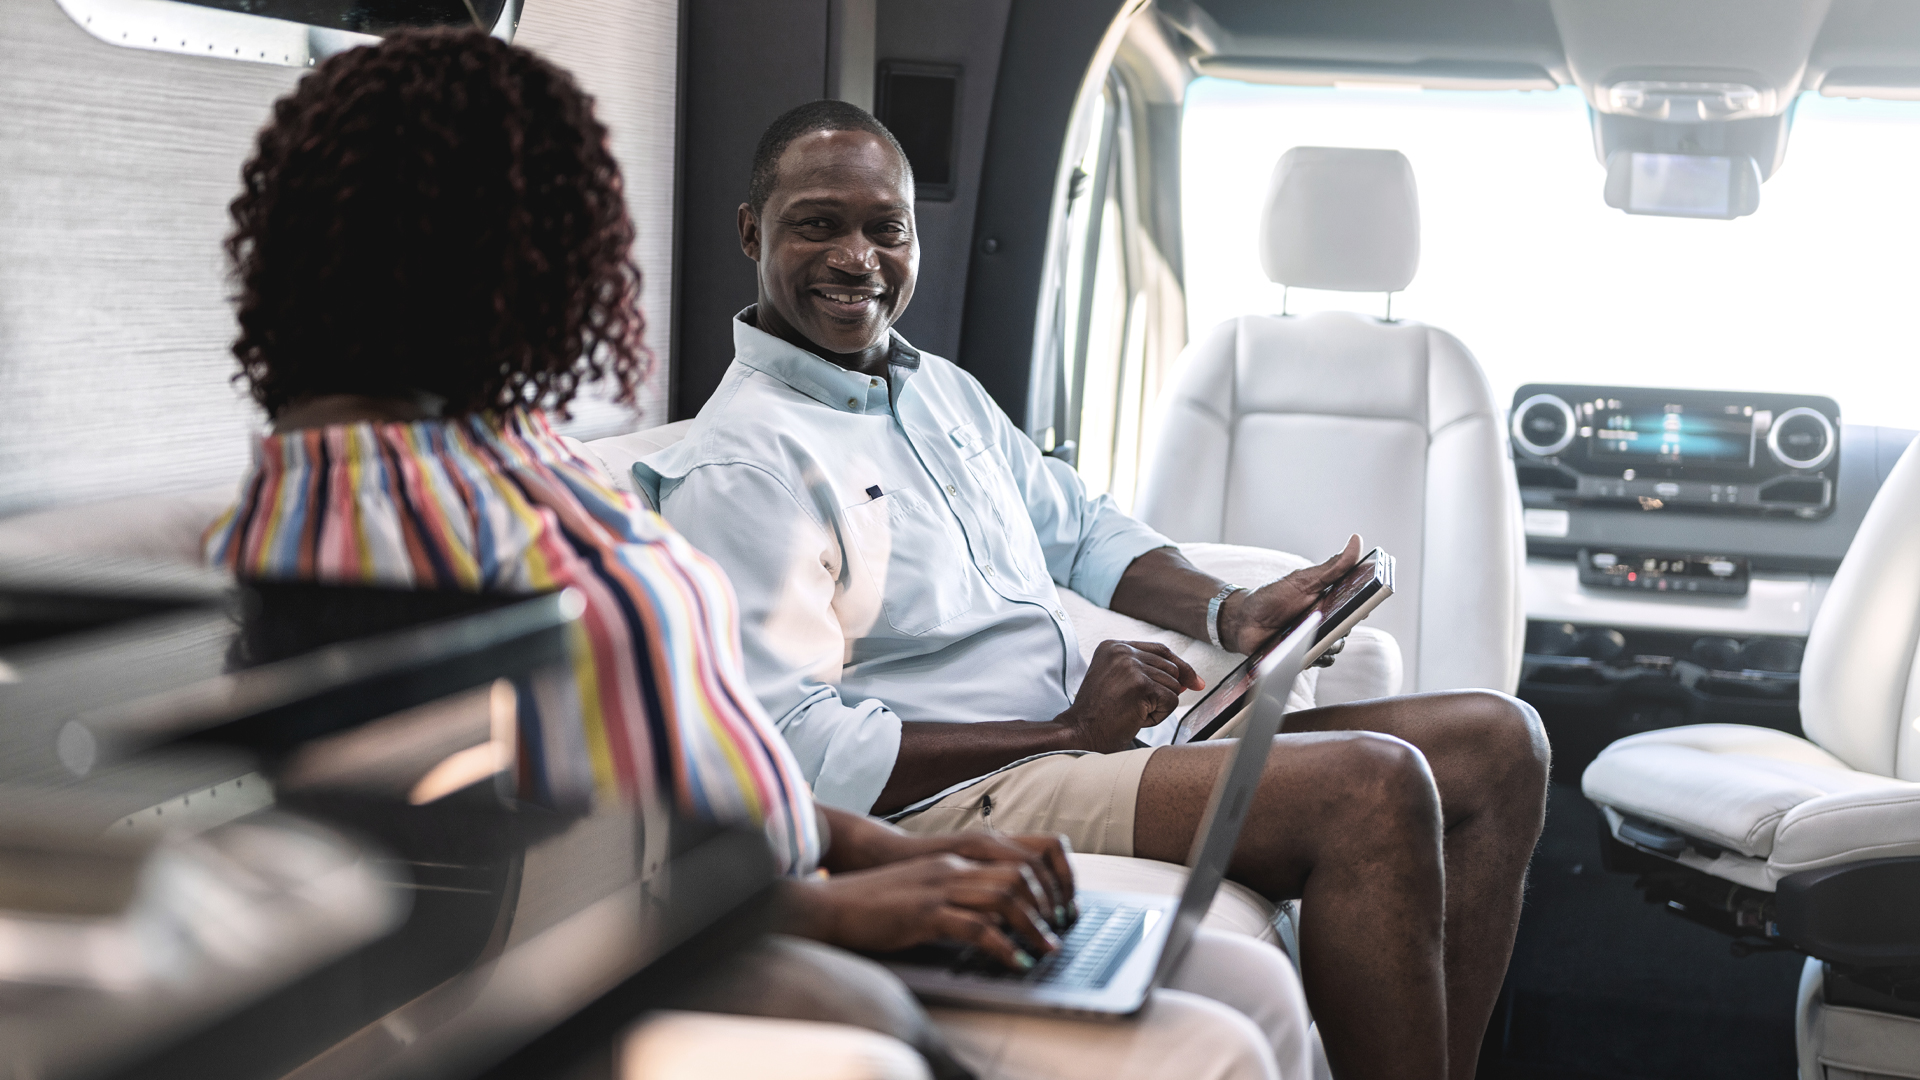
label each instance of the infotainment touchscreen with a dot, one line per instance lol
(1655, 448)
(1672, 435)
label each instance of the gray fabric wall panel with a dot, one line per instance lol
(626, 53)
(116, 166)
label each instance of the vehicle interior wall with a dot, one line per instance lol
(119, 164)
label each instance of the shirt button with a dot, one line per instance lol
(989, 571)
(873, 382)
(853, 402)
(951, 490)
(1058, 614)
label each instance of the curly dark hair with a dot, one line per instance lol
(437, 213)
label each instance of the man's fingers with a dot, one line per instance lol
(1343, 560)
(1163, 676)
(1182, 671)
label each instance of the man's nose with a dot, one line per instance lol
(855, 255)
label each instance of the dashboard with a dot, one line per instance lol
(1679, 542)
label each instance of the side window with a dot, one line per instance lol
(1114, 335)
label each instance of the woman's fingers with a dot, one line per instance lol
(1050, 851)
(1011, 891)
(977, 930)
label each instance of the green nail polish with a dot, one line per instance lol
(1021, 960)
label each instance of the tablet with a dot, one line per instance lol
(1342, 605)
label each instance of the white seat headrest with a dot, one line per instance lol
(1347, 220)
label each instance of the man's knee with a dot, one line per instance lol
(1384, 779)
(1501, 734)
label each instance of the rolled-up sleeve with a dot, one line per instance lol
(782, 563)
(1089, 542)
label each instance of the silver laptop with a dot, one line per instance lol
(1125, 944)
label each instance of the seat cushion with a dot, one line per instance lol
(1762, 794)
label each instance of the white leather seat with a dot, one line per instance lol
(1848, 792)
(1291, 432)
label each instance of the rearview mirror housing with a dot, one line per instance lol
(1721, 186)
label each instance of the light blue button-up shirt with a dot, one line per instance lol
(895, 544)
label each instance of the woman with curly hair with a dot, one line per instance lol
(433, 250)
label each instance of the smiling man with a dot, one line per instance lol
(896, 543)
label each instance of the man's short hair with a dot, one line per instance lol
(823, 115)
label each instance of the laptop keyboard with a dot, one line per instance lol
(1090, 951)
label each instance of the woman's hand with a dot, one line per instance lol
(1043, 854)
(858, 842)
(945, 897)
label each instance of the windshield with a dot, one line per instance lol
(1523, 261)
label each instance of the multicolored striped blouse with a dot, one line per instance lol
(489, 503)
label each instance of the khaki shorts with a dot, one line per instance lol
(1088, 797)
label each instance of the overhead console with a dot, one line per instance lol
(1720, 452)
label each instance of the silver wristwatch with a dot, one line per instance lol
(1213, 613)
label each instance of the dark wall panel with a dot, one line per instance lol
(968, 35)
(1049, 45)
(747, 61)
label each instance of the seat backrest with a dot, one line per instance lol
(1860, 680)
(619, 452)
(1290, 433)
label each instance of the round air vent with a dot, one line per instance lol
(1801, 439)
(1543, 425)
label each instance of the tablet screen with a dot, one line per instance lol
(1372, 573)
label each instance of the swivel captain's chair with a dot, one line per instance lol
(1291, 432)
(1813, 841)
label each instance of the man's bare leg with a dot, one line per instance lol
(1489, 758)
(1350, 822)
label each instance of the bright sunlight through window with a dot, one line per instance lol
(1523, 261)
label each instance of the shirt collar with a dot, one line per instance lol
(822, 380)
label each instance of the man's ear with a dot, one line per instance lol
(749, 232)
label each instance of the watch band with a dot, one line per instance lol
(1213, 613)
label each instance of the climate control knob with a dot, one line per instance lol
(1801, 439)
(1543, 425)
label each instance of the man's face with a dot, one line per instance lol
(835, 242)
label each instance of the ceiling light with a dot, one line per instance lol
(1656, 99)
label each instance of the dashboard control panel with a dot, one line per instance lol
(1721, 451)
(1614, 568)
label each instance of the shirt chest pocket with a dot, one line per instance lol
(913, 556)
(994, 480)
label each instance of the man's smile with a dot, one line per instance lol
(847, 301)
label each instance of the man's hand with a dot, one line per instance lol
(1249, 618)
(992, 906)
(1129, 685)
